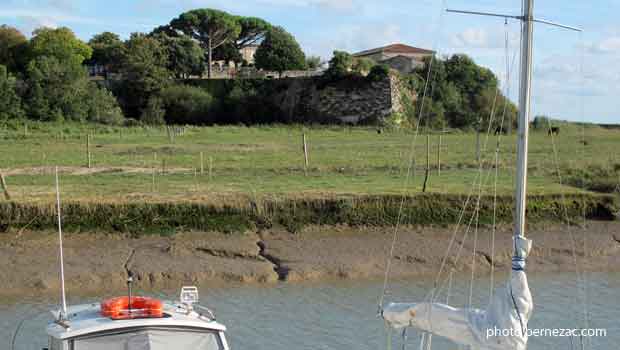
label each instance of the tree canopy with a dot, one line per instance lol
(60, 43)
(253, 31)
(279, 52)
(10, 103)
(462, 94)
(144, 70)
(212, 28)
(13, 45)
(185, 56)
(107, 49)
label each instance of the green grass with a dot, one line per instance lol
(355, 176)
(269, 160)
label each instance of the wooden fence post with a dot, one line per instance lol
(428, 161)
(439, 157)
(210, 168)
(202, 163)
(305, 148)
(5, 189)
(88, 157)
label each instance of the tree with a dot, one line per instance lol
(279, 52)
(56, 89)
(339, 65)
(186, 104)
(185, 56)
(144, 71)
(154, 112)
(212, 28)
(253, 31)
(102, 106)
(313, 62)
(362, 65)
(462, 93)
(228, 53)
(378, 72)
(13, 46)
(10, 103)
(107, 50)
(60, 43)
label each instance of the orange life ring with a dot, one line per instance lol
(141, 307)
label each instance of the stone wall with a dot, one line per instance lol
(356, 101)
(351, 100)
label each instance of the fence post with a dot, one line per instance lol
(153, 179)
(202, 163)
(88, 157)
(305, 148)
(428, 161)
(210, 168)
(5, 189)
(439, 157)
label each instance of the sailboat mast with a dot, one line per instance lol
(525, 86)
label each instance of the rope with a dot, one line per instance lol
(583, 148)
(579, 276)
(409, 169)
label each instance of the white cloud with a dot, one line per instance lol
(326, 4)
(353, 38)
(471, 37)
(481, 38)
(608, 45)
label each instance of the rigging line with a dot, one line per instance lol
(409, 168)
(565, 211)
(443, 284)
(509, 69)
(586, 313)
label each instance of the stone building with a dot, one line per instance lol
(401, 57)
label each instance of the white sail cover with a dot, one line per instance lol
(502, 326)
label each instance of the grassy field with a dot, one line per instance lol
(144, 180)
(146, 164)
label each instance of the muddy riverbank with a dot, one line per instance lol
(94, 261)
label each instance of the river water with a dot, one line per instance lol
(342, 315)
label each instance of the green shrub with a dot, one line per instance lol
(10, 103)
(378, 72)
(57, 90)
(153, 113)
(102, 106)
(186, 104)
(363, 65)
(339, 65)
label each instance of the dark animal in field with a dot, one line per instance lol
(501, 130)
(379, 131)
(584, 142)
(554, 130)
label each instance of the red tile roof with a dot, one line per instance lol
(395, 48)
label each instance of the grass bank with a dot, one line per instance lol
(294, 214)
(234, 178)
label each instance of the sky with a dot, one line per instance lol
(576, 76)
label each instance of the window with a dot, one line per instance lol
(152, 339)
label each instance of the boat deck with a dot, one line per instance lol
(86, 319)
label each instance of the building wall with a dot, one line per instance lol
(366, 103)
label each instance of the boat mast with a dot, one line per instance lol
(63, 297)
(525, 86)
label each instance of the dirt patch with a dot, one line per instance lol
(94, 261)
(76, 170)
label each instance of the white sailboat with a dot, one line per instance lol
(510, 309)
(133, 322)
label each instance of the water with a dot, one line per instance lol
(341, 315)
